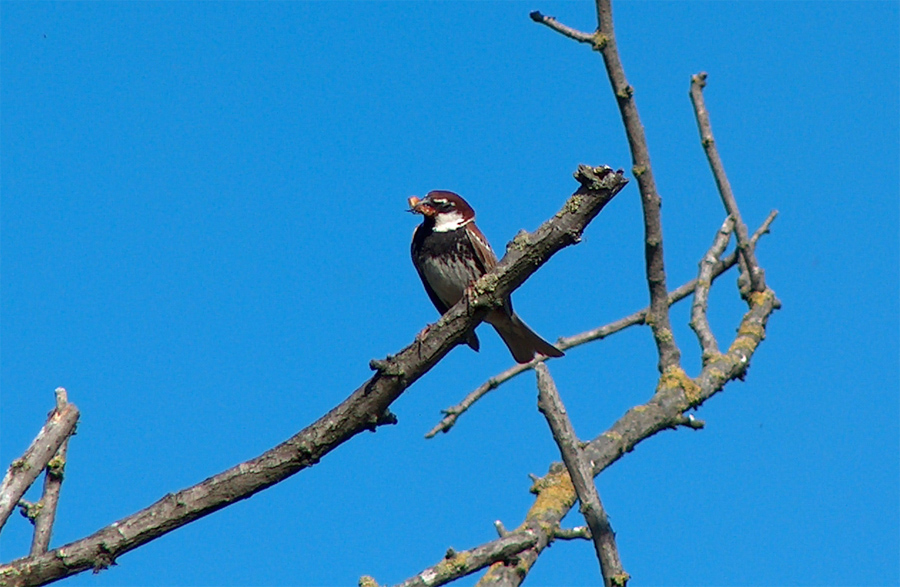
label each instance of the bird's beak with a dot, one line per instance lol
(417, 206)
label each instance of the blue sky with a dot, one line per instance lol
(204, 241)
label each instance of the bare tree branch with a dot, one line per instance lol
(460, 564)
(604, 539)
(453, 413)
(365, 409)
(555, 497)
(699, 322)
(604, 41)
(658, 318)
(562, 29)
(53, 478)
(755, 272)
(689, 421)
(25, 470)
(576, 533)
(513, 554)
(674, 395)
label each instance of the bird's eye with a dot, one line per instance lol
(439, 200)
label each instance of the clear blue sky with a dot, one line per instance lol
(204, 240)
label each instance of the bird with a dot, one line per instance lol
(449, 252)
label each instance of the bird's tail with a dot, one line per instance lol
(522, 341)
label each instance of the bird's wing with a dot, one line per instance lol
(485, 255)
(483, 252)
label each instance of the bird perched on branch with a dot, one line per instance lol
(449, 253)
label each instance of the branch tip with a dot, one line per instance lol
(501, 529)
(689, 421)
(598, 178)
(560, 28)
(29, 509)
(699, 79)
(387, 367)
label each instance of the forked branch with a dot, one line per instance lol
(665, 410)
(25, 470)
(756, 273)
(53, 478)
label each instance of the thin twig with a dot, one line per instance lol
(363, 410)
(562, 29)
(25, 470)
(29, 509)
(699, 322)
(576, 533)
(755, 272)
(689, 421)
(43, 522)
(580, 471)
(452, 414)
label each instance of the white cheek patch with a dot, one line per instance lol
(448, 221)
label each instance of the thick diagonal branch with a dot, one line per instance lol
(364, 409)
(602, 535)
(756, 273)
(25, 470)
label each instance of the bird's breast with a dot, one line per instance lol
(448, 263)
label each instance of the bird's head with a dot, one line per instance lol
(448, 211)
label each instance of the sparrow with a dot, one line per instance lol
(449, 253)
